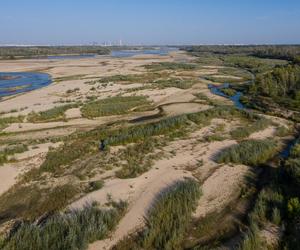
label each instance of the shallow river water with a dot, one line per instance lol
(12, 83)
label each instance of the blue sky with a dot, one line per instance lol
(149, 21)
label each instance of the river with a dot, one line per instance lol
(216, 89)
(12, 83)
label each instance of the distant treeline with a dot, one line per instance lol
(42, 51)
(286, 52)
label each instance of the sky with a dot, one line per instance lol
(150, 22)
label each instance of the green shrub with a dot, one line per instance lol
(252, 240)
(96, 185)
(251, 152)
(292, 164)
(293, 207)
(295, 151)
(276, 217)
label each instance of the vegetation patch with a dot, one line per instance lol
(228, 91)
(72, 230)
(11, 150)
(175, 82)
(237, 72)
(251, 152)
(139, 158)
(168, 218)
(31, 201)
(113, 106)
(246, 131)
(171, 66)
(95, 185)
(66, 154)
(82, 144)
(129, 79)
(54, 114)
(5, 121)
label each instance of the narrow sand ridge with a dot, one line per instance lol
(263, 134)
(183, 108)
(78, 122)
(220, 188)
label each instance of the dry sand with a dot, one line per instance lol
(32, 158)
(183, 108)
(8, 175)
(220, 188)
(264, 134)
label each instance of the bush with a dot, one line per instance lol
(292, 164)
(252, 240)
(276, 217)
(251, 152)
(293, 207)
(96, 185)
